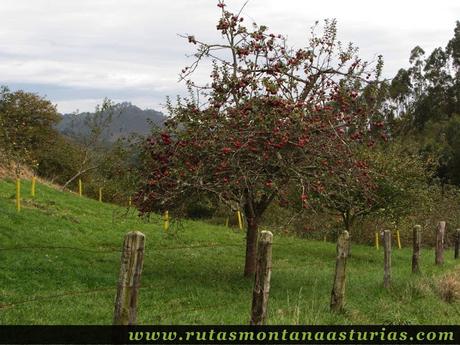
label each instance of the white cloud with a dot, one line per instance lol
(130, 48)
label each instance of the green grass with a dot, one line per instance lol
(203, 285)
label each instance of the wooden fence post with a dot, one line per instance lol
(80, 187)
(338, 289)
(416, 244)
(398, 239)
(439, 249)
(261, 288)
(100, 194)
(32, 189)
(129, 279)
(457, 243)
(240, 219)
(18, 194)
(166, 220)
(387, 258)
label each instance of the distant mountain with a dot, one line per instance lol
(126, 119)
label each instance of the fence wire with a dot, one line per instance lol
(97, 290)
(21, 248)
(197, 246)
(113, 250)
(112, 289)
(65, 294)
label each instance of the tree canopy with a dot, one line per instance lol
(26, 124)
(271, 116)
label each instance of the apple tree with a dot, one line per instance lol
(270, 117)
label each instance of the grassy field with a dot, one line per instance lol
(59, 262)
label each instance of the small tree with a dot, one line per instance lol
(394, 183)
(26, 127)
(272, 116)
(89, 134)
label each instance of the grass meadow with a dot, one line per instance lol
(60, 256)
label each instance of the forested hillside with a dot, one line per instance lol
(126, 119)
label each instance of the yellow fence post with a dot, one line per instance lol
(226, 222)
(166, 220)
(18, 194)
(398, 238)
(240, 220)
(32, 189)
(80, 187)
(130, 201)
(377, 240)
(100, 194)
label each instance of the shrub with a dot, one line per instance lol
(449, 287)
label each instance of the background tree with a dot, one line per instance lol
(272, 116)
(118, 173)
(396, 180)
(425, 100)
(89, 135)
(26, 127)
(59, 161)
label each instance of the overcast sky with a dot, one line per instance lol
(76, 52)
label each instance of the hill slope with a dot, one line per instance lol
(60, 259)
(126, 119)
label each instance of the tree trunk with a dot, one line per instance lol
(253, 211)
(347, 222)
(251, 248)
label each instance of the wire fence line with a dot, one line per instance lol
(111, 289)
(113, 250)
(25, 248)
(198, 246)
(65, 294)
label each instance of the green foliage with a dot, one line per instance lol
(425, 101)
(397, 182)
(402, 178)
(58, 162)
(201, 207)
(451, 151)
(117, 172)
(28, 138)
(403, 194)
(453, 48)
(26, 126)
